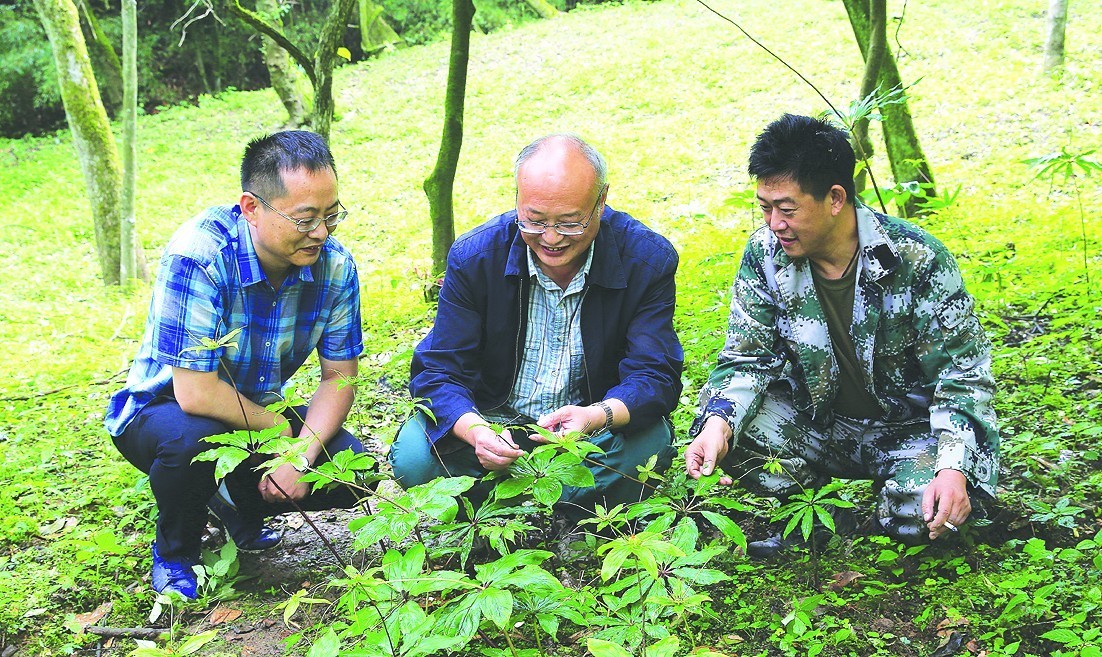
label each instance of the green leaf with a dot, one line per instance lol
(343, 53)
(497, 605)
(547, 491)
(703, 576)
(1062, 635)
(195, 643)
(326, 646)
(728, 527)
(665, 648)
(685, 535)
(602, 648)
(226, 459)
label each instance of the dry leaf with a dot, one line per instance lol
(224, 615)
(295, 521)
(843, 579)
(92, 617)
(58, 526)
(948, 625)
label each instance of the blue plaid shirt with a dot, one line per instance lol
(209, 284)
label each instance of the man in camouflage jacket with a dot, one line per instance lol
(887, 378)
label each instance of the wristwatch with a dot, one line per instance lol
(603, 405)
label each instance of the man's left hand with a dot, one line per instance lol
(945, 504)
(287, 479)
(585, 419)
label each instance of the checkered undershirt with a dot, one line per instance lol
(551, 368)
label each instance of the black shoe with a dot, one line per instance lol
(249, 534)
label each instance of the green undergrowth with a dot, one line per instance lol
(673, 97)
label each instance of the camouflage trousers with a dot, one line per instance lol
(899, 457)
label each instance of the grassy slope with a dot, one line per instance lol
(670, 94)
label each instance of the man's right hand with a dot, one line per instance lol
(708, 449)
(495, 451)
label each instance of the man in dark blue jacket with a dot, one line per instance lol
(558, 313)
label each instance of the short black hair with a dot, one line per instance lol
(267, 157)
(813, 153)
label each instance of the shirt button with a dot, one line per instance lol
(268, 344)
(262, 379)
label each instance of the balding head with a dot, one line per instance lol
(561, 154)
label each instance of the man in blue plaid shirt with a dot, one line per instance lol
(267, 278)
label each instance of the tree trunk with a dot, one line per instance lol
(1055, 25)
(282, 71)
(900, 138)
(878, 45)
(128, 258)
(544, 8)
(376, 34)
(438, 186)
(104, 59)
(92, 137)
(320, 68)
(325, 60)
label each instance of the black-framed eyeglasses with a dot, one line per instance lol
(307, 224)
(568, 229)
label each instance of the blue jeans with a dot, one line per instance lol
(416, 461)
(162, 440)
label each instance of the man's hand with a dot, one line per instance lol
(945, 504)
(287, 478)
(708, 449)
(495, 451)
(584, 419)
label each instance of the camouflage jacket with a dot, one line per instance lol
(914, 331)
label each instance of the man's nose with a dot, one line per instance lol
(320, 232)
(776, 221)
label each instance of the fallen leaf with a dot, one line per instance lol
(974, 647)
(31, 613)
(224, 615)
(843, 579)
(947, 626)
(58, 526)
(92, 617)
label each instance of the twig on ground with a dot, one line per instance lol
(110, 379)
(151, 633)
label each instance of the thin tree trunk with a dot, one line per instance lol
(544, 8)
(878, 46)
(325, 59)
(92, 137)
(320, 68)
(1055, 26)
(438, 186)
(128, 263)
(282, 71)
(104, 59)
(905, 154)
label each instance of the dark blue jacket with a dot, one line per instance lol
(469, 361)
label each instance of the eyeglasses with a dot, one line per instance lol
(568, 229)
(307, 224)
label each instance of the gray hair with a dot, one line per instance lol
(596, 160)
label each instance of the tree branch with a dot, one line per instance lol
(267, 29)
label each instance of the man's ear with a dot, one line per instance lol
(249, 207)
(837, 199)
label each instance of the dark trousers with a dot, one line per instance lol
(162, 440)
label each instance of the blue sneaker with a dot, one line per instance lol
(250, 535)
(174, 576)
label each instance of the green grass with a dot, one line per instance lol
(673, 97)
